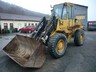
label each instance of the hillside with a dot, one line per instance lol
(13, 9)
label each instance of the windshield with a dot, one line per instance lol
(57, 11)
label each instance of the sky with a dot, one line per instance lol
(44, 6)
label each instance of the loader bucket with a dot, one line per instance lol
(26, 51)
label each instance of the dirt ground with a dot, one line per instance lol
(76, 59)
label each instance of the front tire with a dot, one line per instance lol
(57, 45)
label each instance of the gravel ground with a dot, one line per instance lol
(76, 59)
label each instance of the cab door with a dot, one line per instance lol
(70, 16)
(63, 22)
(67, 18)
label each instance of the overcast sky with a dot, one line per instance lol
(43, 6)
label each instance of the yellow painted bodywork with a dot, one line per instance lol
(68, 26)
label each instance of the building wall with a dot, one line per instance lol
(16, 24)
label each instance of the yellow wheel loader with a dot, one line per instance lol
(55, 33)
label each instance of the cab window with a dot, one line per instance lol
(64, 13)
(58, 10)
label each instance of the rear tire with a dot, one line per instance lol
(79, 38)
(57, 45)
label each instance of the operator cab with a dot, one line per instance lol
(62, 11)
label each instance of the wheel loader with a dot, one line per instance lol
(54, 33)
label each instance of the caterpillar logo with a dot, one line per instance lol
(80, 17)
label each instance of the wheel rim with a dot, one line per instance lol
(60, 46)
(81, 38)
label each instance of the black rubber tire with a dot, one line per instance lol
(77, 40)
(53, 43)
